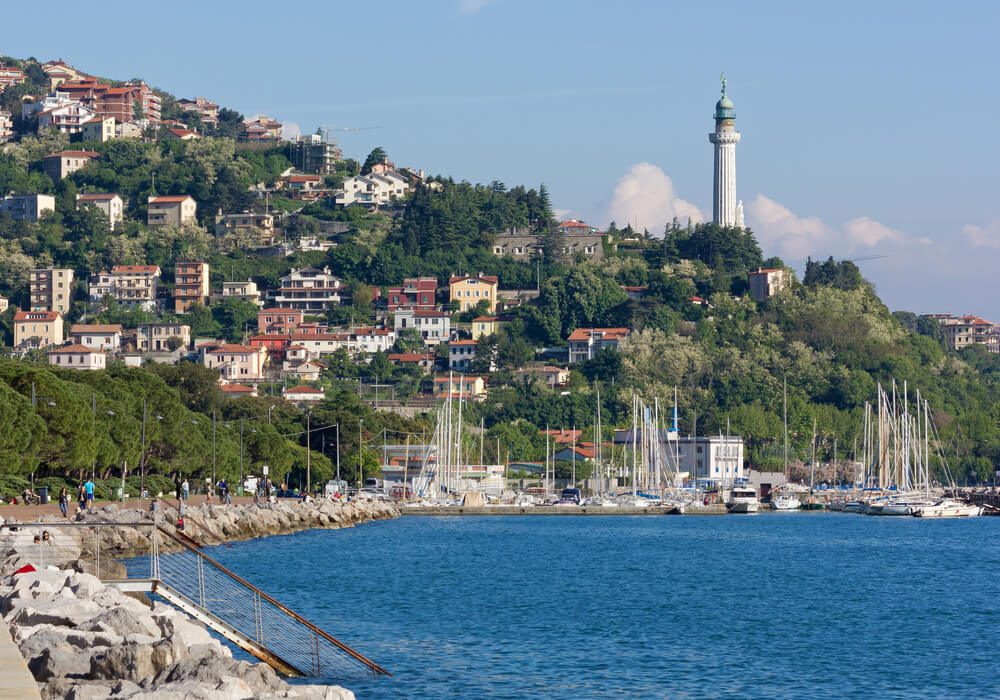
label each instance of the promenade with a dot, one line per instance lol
(16, 681)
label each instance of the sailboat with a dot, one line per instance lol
(785, 500)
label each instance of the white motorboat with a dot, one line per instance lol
(785, 501)
(947, 508)
(742, 499)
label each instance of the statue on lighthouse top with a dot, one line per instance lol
(726, 208)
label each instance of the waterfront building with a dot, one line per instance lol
(51, 289)
(716, 459)
(727, 211)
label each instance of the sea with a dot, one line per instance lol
(787, 605)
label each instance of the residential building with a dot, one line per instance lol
(415, 293)
(274, 342)
(32, 106)
(27, 207)
(315, 154)
(303, 394)
(234, 391)
(460, 385)
(963, 331)
(261, 129)
(275, 320)
(102, 337)
(261, 226)
(4, 303)
(468, 291)
(155, 337)
(433, 326)
(6, 126)
(38, 328)
(237, 362)
(173, 211)
(247, 291)
(322, 343)
(716, 460)
(487, 325)
(122, 103)
(303, 371)
(373, 190)
(60, 72)
(51, 289)
(577, 238)
(77, 357)
(9, 75)
(301, 183)
(424, 360)
(461, 353)
(181, 134)
(190, 285)
(310, 290)
(207, 111)
(98, 129)
(549, 375)
(127, 284)
(59, 165)
(765, 283)
(109, 203)
(584, 343)
(373, 339)
(635, 292)
(70, 118)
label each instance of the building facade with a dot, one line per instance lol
(310, 290)
(190, 285)
(111, 204)
(77, 357)
(51, 289)
(433, 327)
(765, 283)
(38, 328)
(156, 337)
(127, 284)
(59, 165)
(585, 343)
(237, 362)
(101, 337)
(415, 293)
(467, 291)
(315, 154)
(175, 211)
(27, 207)
(247, 291)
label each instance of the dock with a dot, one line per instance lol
(451, 511)
(16, 681)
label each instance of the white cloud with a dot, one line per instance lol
(561, 214)
(781, 232)
(645, 197)
(983, 236)
(290, 130)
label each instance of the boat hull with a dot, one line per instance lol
(743, 507)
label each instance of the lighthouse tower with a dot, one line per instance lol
(726, 210)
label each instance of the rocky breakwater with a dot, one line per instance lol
(85, 640)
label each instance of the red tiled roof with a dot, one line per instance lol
(302, 178)
(562, 436)
(96, 197)
(76, 349)
(303, 390)
(428, 313)
(463, 342)
(135, 268)
(233, 348)
(410, 356)
(237, 389)
(761, 270)
(485, 319)
(277, 310)
(36, 315)
(607, 333)
(183, 132)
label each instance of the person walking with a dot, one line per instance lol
(225, 493)
(81, 498)
(209, 489)
(88, 486)
(63, 501)
(185, 490)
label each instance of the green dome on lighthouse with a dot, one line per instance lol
(724, 108)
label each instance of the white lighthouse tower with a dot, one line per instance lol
(726, 210)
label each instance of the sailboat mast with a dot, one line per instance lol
(785, 420)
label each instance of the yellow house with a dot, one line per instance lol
(99, 129)
(486, 325)
(38, 328)
(469, 291)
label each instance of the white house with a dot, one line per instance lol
(303, 394)
(374, 339)
(433, 326)
(102, 337)
(111, 204)
(77, 357)
(373, 190)
(308, 289)
(461, 353)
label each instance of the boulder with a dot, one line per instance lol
(54, 663)
(136, 662)
(67, 613)
(123, 623)
(74, 689)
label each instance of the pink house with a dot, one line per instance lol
(278, 320)
(77, 357)
(237, 363)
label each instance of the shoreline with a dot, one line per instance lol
(81, 638)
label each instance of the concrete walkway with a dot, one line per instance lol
(16, 681)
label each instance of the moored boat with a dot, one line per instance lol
(742, 499)
(948, 508)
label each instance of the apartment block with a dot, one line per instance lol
(59, 165)
(309, 290)
(415, 293)
(51, 289)
(27, 207)
(585, 343)
(38, 328)
(155, 337)
(109, 203)
(190, 285)
(127, 284)
(468, 291)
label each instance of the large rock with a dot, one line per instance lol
(136, 662)
(62, 612)
(123, 623)
(53, 663)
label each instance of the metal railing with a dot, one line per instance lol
(201, 587)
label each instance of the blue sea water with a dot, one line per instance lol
(792, 605)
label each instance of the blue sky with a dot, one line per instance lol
(867, 127)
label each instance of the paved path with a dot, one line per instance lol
(16, 681)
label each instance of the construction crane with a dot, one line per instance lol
(865, 257)
(327, 130)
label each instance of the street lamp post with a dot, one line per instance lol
(269, 409)
(338, 456)
(213, 449)
(308, 454)
(361, 449)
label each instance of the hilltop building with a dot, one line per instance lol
(51, 289)
(27, 207)
(175, 211)
(190, 285)
(109, 203)
(765, 283)
(726, 210)
(468, 291)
